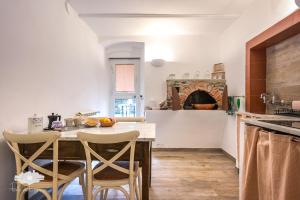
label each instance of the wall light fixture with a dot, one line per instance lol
(157, 62)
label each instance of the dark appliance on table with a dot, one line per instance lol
(52, 118)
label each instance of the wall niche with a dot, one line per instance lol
(283, 71)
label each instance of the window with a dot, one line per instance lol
(126, 94)
(124, 78)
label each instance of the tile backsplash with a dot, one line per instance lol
(283, 70)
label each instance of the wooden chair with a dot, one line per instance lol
(57, 174)
(112, 174)
(130, 119)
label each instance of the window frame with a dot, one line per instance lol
(137, 84)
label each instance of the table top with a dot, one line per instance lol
(147, 130)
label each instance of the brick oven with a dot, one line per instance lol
(186, 94)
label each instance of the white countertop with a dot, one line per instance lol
(147, 130)
(284, 129)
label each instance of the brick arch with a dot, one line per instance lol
(212, 91)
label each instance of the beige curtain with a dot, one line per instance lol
(285, 167)
(271, 166)
(264, 166)
(250, 181)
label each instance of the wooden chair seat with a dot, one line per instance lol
(110, 173)
(70, 169)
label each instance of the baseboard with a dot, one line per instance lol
(188, 149)
(196, 150)
(229, 156)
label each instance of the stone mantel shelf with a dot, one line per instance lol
(172, 111)
(205, 80)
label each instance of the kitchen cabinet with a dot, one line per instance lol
(270, 164)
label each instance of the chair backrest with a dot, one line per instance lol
(22, 162)
(130, 119)
(129, 137)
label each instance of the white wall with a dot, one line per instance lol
(260, 16)
(183, 53)
(49, 62)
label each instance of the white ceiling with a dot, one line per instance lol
(158, 17)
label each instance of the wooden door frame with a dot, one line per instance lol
(256, 58)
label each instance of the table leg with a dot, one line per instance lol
(150, 165)
(26, 196)
(146, 171)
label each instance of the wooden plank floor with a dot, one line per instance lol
(185, 175)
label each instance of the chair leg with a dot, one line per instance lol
(44, 192)
(83, 185)
(137, 192)
(100, 190)
(101, 195)
(140, 181)
(131, 188)
(19, 189)
(62, 190)
(94, 196)
(22, 193)
(89, 190)
(105, 194)
(124, 192)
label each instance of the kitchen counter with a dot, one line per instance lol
(254, 119)
(277, 129)
(147, 130)
(188, 128)
(280, 128)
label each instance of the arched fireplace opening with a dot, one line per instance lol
(199, 97)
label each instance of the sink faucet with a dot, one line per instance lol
(271, 99)
(263, 96)
(274, 99)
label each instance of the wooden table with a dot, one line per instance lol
(70, 147)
